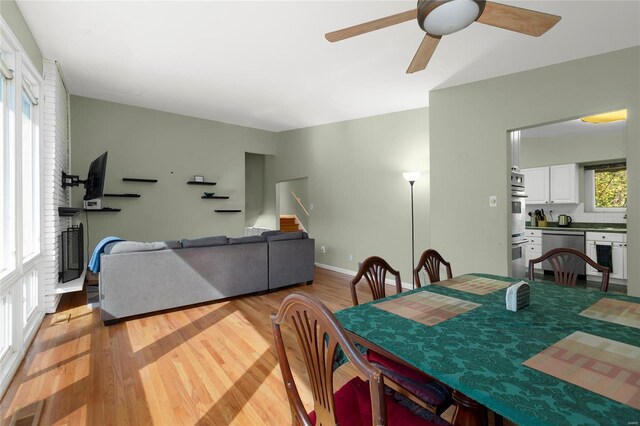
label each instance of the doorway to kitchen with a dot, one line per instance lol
(575, 182)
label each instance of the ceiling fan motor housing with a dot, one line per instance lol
(442, 17)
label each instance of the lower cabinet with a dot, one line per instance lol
(618, 244)
(533, 248)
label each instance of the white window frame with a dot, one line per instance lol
(21, 326)
(6, 324)
(590, 196)
(27, 90)
(8, 266)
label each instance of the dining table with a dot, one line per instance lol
(570, 357)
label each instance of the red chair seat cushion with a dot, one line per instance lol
(421, 385)
(353, 408)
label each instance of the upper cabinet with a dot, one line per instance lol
(553, 184)
(536, 185)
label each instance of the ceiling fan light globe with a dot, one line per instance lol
(447, 17)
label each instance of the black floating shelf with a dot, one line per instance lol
(215, 197)
(68, 211)
(139, 180)
(193, 182)
(228, 211)
(122, 195)
(106, 209)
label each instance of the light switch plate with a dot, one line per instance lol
(493, 201)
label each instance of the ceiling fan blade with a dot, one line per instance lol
(424, 53)
(516, 19)
(367, 27)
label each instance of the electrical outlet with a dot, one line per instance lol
(493, 201)
(323, 250)
(311, 206)
(350, 258)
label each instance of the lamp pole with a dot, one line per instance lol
(413, 245)
(412, 177)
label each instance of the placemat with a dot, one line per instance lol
(603, 366)
(474, 284)
(427, 308)
(616, 311)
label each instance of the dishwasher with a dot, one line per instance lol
(562, 239)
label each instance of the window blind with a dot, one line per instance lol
(4, 70)
(610, 167)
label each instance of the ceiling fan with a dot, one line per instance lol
(441, 17)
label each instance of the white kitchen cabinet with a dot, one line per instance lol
(552, 184)
(533, 248)
(563, 183)
(536, 185)
(618, 243)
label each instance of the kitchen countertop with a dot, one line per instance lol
(582, 226)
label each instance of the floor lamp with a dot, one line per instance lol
(412, 177)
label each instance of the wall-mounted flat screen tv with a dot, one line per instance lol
(94, 185)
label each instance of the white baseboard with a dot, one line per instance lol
(389, 281)
(53, 307)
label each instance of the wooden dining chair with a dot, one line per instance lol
(431, 261)
(319, 334)
(374, 269)
(434, 395)
(567, 263)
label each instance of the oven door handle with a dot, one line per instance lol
(519, 243)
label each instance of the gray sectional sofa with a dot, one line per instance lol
(138, 278)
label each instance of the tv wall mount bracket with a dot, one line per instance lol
(71, 180)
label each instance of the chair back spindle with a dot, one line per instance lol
(374, 269)
(319, 333)
(431, 261)
(567, 264)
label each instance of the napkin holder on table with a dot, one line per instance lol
(518, 296)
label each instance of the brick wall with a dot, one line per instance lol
(55, 160)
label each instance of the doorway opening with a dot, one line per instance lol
(292, 199)
(575, 182)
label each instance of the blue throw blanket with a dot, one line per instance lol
(94, 263)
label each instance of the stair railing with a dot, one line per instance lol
(299, 202)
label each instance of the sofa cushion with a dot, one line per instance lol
(109, 247)
(219, 240)
(132, 246)
(247, 240)
(297, 235)
(173, 244)
(271, 233)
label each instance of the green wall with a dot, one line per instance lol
(469, 150)
(537, 152)
(13, 17)
(260, 191)
(171, 148)
(361, 202)
(354, 169)
(254, 174)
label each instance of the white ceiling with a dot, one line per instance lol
(267, 65)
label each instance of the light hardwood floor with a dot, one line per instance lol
(211, 364)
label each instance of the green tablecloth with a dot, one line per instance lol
(481, 352)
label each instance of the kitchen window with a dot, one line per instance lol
(606, 187)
